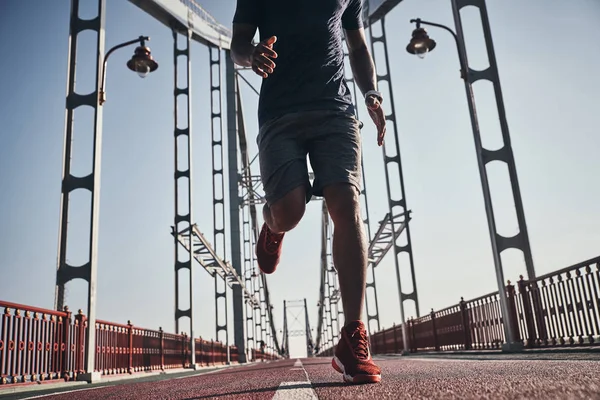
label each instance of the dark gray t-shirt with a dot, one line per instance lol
(309, 72)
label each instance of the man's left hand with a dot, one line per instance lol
(378, 117)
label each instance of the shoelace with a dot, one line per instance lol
(360, 343)
(272, 242)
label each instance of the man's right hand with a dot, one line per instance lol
(262, 55)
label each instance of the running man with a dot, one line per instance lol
(306, 108)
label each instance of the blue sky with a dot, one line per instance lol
(547, 65)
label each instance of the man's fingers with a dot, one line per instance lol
(263, 66)
(259, 71)
(270, 41)
(264, 61)
(379, 119)
(269, 52)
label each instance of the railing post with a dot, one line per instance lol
(161, 334)
(512, 312)
(433, 327)
(465, 323)
(65, 347)
(80, 348)
(411, 337)
(395, 340)
(538, 313)
(212, 351)
(183, 349)
(527, 310)
(199, 348)
(130, 337)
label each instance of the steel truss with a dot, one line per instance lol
(218, 182)
(248, 197)
(504, 155)
(235, 124)
(391, 153)
(287, 333)
(246, 323)
(183, 185)
(330, 316)
(194, 241)
(332, 295)
(70, 183)
(371, 303)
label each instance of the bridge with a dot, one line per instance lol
(550, 320)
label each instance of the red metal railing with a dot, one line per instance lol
(472, 324)
(561, 308)
(38, 344)
(558, 309)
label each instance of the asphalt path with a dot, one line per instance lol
(468, 377)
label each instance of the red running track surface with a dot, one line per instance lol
(402, 378)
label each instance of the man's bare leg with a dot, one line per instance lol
(285, 214)
(280, 217)
(349, 247)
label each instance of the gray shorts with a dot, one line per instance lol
(332, 141)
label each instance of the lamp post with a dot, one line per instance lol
(421, 44)
(141, 62)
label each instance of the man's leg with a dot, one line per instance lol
(349, 246)
(284, 174)
(335, 154)
(283, 215)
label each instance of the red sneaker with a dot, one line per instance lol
(268, 249)
(353, 357)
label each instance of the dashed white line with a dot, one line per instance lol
(299, 390)
(66, 391)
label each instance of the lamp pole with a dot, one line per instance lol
(421, 44)
(141, 62)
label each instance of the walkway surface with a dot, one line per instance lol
(568, 376)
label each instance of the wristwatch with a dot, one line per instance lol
(375, 93)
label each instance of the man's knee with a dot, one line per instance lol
(289, 210)
(343, 203)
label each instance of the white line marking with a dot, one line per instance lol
(296, 390)
(66, 391)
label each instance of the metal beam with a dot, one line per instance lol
(70, 183)
(218, 186)
(384, 237)
(183, 176)
(393, 160)
(234, 203)
(324, 262)
(503, 155)
(184, 15)
(206, 256)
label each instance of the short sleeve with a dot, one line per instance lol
(352, 17)
(246, 12)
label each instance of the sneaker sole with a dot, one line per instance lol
(339, 367)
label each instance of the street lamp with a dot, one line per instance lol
(141, 62)
(421, 44)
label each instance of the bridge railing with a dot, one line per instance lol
(38, 344)
(561, 308)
